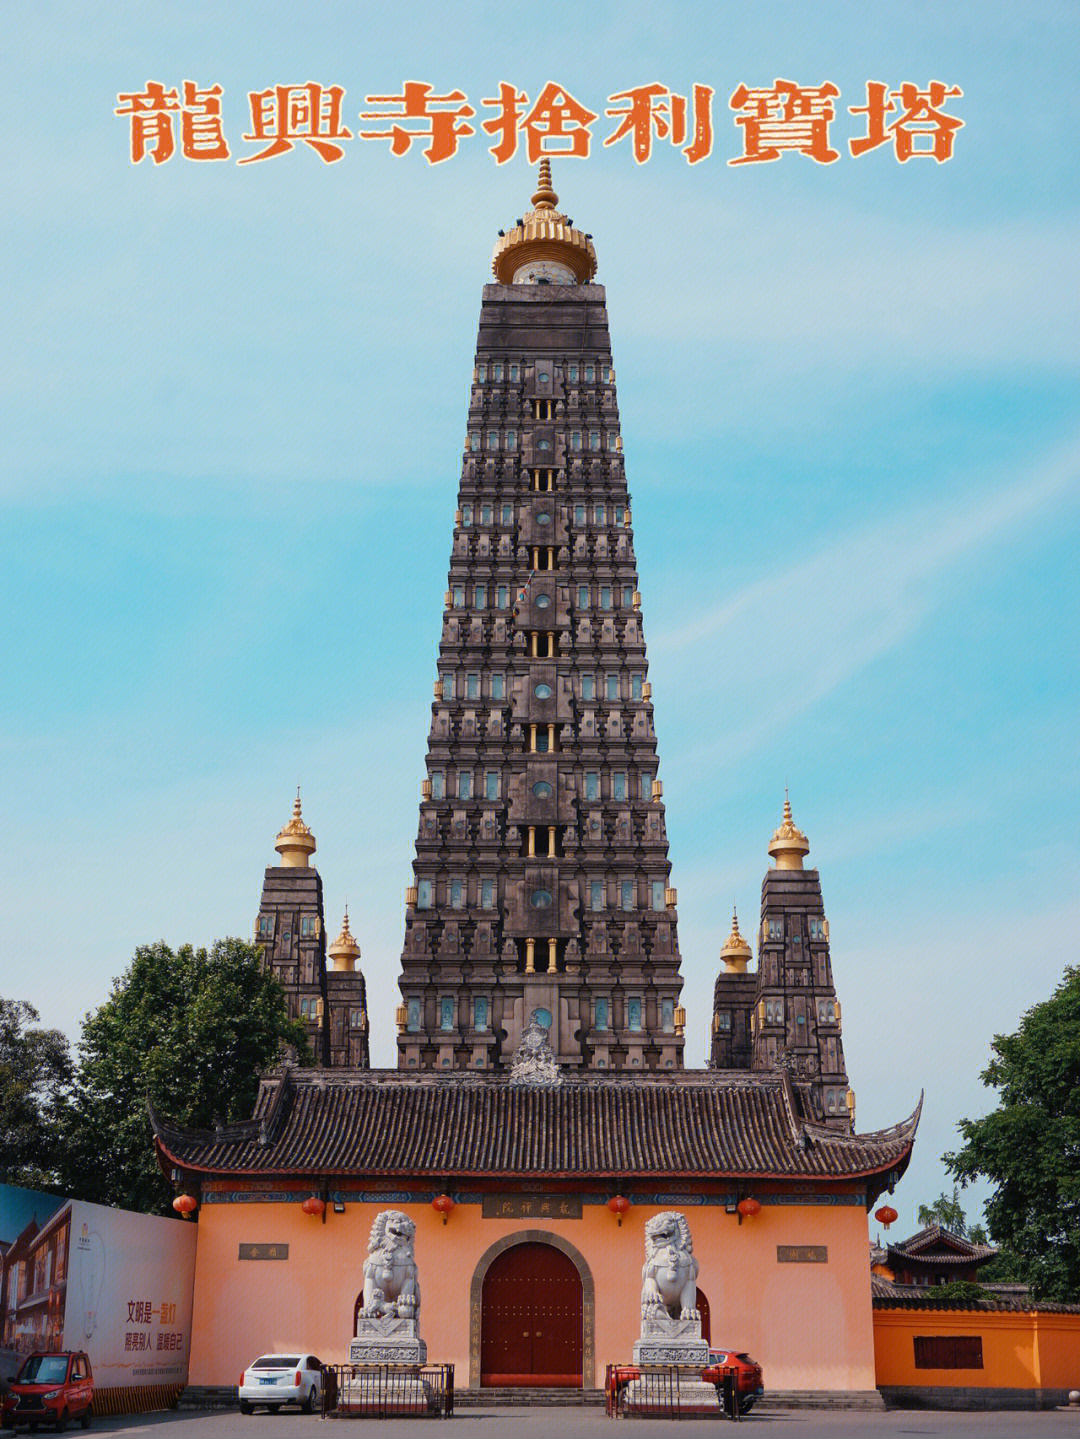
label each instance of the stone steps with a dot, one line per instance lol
(538, 1398)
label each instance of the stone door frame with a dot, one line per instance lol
(588, 1299)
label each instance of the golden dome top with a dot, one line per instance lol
(295, 842)
(788, 844)
(344, 951)
(736, 952)
(544, 243)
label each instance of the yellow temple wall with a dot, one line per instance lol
(1021, 1349)
(810, 1325)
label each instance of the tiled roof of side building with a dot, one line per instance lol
(937, 1245)
(697, 1124)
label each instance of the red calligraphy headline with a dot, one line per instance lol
(770, 119)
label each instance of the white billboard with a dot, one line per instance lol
(129, 1287)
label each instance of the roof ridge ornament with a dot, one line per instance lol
(534, 1064)
(788, 844)
(544, 248)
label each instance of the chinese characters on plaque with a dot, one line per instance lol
(531, 1206)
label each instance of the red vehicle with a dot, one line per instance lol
(50, 1389)
(749, 1377)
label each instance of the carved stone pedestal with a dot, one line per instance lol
(670, 1341)
(387, 1340)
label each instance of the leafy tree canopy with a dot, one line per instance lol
(949, 1213)
(35, 1066)
(192, 1030)
(1029, 1146)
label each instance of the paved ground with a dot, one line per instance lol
(593, 1424)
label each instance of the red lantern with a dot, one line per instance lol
(749, 1206)
(185, 1204)
(618, 1205)
(313, 1205)
(443, 1205)
(886, 1215)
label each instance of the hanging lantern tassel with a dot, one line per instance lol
(886, 1215)
(618, 1204)
(313, 1205)
(748, 1207)
(185, 1205)
(443, 1205)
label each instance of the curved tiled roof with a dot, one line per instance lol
(387, 1122)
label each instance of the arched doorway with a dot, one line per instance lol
(531, 1319)
(706, 1316)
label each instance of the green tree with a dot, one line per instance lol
(949, 1213)
(35, 1067)
(1029, 1146)
(191, 1030)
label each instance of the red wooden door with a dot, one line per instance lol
(531, 1320)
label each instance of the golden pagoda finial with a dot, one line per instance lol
(545, 197)
(788, 844)
(295, 843)
(736, 953)
(543, 248)
(344, 952)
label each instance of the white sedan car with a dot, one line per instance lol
(277, 1379)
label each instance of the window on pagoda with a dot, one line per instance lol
(491, 784)
(575, 439)
(619, 512)
(511, 439)
(588, 689)
(459, 597)
(579, 514)
(618, 785)
(356, 1019)
(457, 894)
(658, 887)
(594, 439)
(465, 784)
(626, 894)
(723, 1020)
(590, 374)
(572, 373)
(481, 373)
(493, 439)
(817, 927)
(592, 784)
(480, 1013)
(480, 597)
(487, 894)
(601, 1013)
(605, 597)
(508, 514)
(633, 1014)
(667, 1015)
(309, 926)
(600, 514)
(636, 682)
(596, 894)
(628, 597)
(611, 687)
(466, 516)
(446, 1014)
(266, 926)
(515, 372)
(583, 597)
(646, 786)
(472, 687)
(498, 686)
(438, 784)
(502, 597)
(496, 372)
(776, 929)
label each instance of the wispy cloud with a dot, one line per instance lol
(802, 631)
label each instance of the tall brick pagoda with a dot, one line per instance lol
(786, 1015)
(291, 932)
(542, 887)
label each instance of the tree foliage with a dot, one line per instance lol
(1029, 1146)
(949, 1213)
(191, 1031)
(35, 1067)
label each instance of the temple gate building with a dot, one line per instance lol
(541, 1095)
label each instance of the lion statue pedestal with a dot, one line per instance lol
(388, 1325)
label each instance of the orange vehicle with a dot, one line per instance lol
(50, 1389)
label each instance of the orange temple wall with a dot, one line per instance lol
(810, 1325)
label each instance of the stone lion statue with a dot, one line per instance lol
(669, 1275)
(391, 1287)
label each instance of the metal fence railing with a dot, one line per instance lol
(388, 1391)
(669, 1391)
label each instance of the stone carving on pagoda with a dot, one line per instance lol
(534, 1063)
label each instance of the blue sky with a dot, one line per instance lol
(233, 404)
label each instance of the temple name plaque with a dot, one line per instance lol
(531, 1206)
(264, 1251)
(802, 1254)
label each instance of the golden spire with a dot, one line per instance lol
(788, 844)
(344, 951)
(545, 197)
(544, 244)
(295, 843)
(736, 953)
